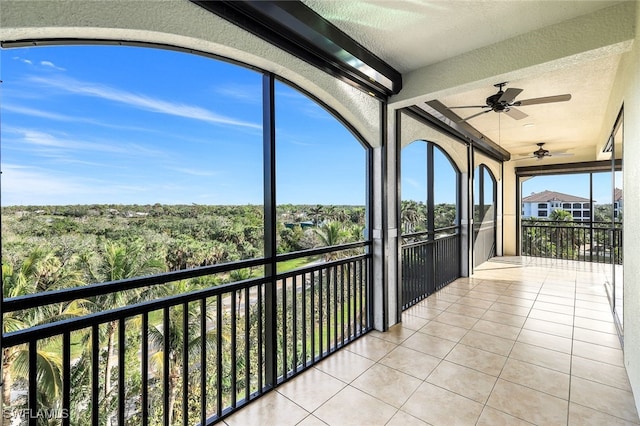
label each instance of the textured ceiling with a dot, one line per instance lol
(412, 35)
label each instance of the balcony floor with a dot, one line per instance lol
(524, 341)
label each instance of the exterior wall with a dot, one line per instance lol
(629, 80)
(510, 211)
(532, 209)
(626, 91)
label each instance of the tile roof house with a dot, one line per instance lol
(541, 205)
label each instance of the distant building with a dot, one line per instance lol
(541, 205)
(617, 204)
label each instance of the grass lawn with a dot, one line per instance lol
(289, 265)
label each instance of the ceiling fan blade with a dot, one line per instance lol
(468, 106)
(545, 100)
(474, 115)
(509, 95)
(516, 114)
(560, 154)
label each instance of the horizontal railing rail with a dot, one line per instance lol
(195, 356)
(97, 289)
(430, 261)
(589, 241)
(417, 237)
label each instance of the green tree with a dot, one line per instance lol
(36, 274)
(176, 339)
(118, 261)
(331, 234)
(316, 213)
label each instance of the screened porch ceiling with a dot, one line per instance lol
(451, 53)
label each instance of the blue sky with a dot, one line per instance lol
(414, 175)
(130, 125)
(115, 124)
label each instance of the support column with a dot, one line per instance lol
(386, 299)
(465, 223)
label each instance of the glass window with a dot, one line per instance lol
(415, 184)
(320, 175)
(102, 156)
(445, 189)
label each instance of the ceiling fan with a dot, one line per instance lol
(541, 153)
(504, 101)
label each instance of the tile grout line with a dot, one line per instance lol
(505, 363)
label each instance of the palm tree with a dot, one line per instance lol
(240, 275)
(315, 213)
(119, 261)
(331, 234)
(36, 273)
(176, 339)
(565, 241)
(410, 215)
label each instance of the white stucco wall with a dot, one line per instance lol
(627, 91)
(413, 130)
(510, 211)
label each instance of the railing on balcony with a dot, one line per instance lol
(430, 261)
(189, 358)
(586, 241)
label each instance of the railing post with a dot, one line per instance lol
(270, 249)
(591, 239)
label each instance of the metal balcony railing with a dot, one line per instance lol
(586, 241)
(189, 358)
(430, 261)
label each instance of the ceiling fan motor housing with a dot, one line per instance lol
(496, 105)
(541, 152)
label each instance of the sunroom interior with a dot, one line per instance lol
(398, 76)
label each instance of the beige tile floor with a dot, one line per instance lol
(524, 341)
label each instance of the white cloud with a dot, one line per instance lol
(411, 182)
(24, 185)
(44, 114)
(68, 149)
(33, 112)
(244, 93)
(51, 65)
(31, 186)
(48, 140)
(195, 172)
(23, 60)
(141, 101)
